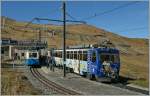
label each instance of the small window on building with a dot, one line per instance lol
(2, 51)
(22, 54)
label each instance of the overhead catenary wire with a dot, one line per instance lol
(111, 10)
(54, 20)
(73, 18)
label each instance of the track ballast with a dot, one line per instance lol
(52, 85)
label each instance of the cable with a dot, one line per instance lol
(111, 10)
(73, 18)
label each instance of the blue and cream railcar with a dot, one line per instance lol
(76, 59)
(32, 58)
(93, 62)
(103, 63)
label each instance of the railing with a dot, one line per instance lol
(23, 43)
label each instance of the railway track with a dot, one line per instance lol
(52, 85)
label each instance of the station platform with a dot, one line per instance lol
(83, 85)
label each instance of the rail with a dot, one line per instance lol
(52, 85)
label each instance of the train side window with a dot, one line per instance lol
(94, 56)
(84, 55)
(80, 55)
(34, 54)
(75, 54)
(60, 54)
(71, 54)
(30, 55)
(56, 54)
(68, 54)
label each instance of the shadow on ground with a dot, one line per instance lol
(122, 80)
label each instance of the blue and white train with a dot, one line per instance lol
(32, 58)
(99, 63)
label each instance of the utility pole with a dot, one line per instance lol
(64, 38)
(64, 31)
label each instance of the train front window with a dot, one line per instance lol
(111, 58)
(34, 55)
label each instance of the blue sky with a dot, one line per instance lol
(130, 21)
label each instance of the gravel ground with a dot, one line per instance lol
(38, 84)
(74, 82)
(83, 85)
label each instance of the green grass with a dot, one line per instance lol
(142, 83)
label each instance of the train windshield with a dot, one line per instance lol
(33, 55)
(110, 58)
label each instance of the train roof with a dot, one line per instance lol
(73, 49)
(86, 49)
(108, 50)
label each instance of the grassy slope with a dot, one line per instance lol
(15, 83)
(134, 52)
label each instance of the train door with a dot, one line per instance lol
(92, 62)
